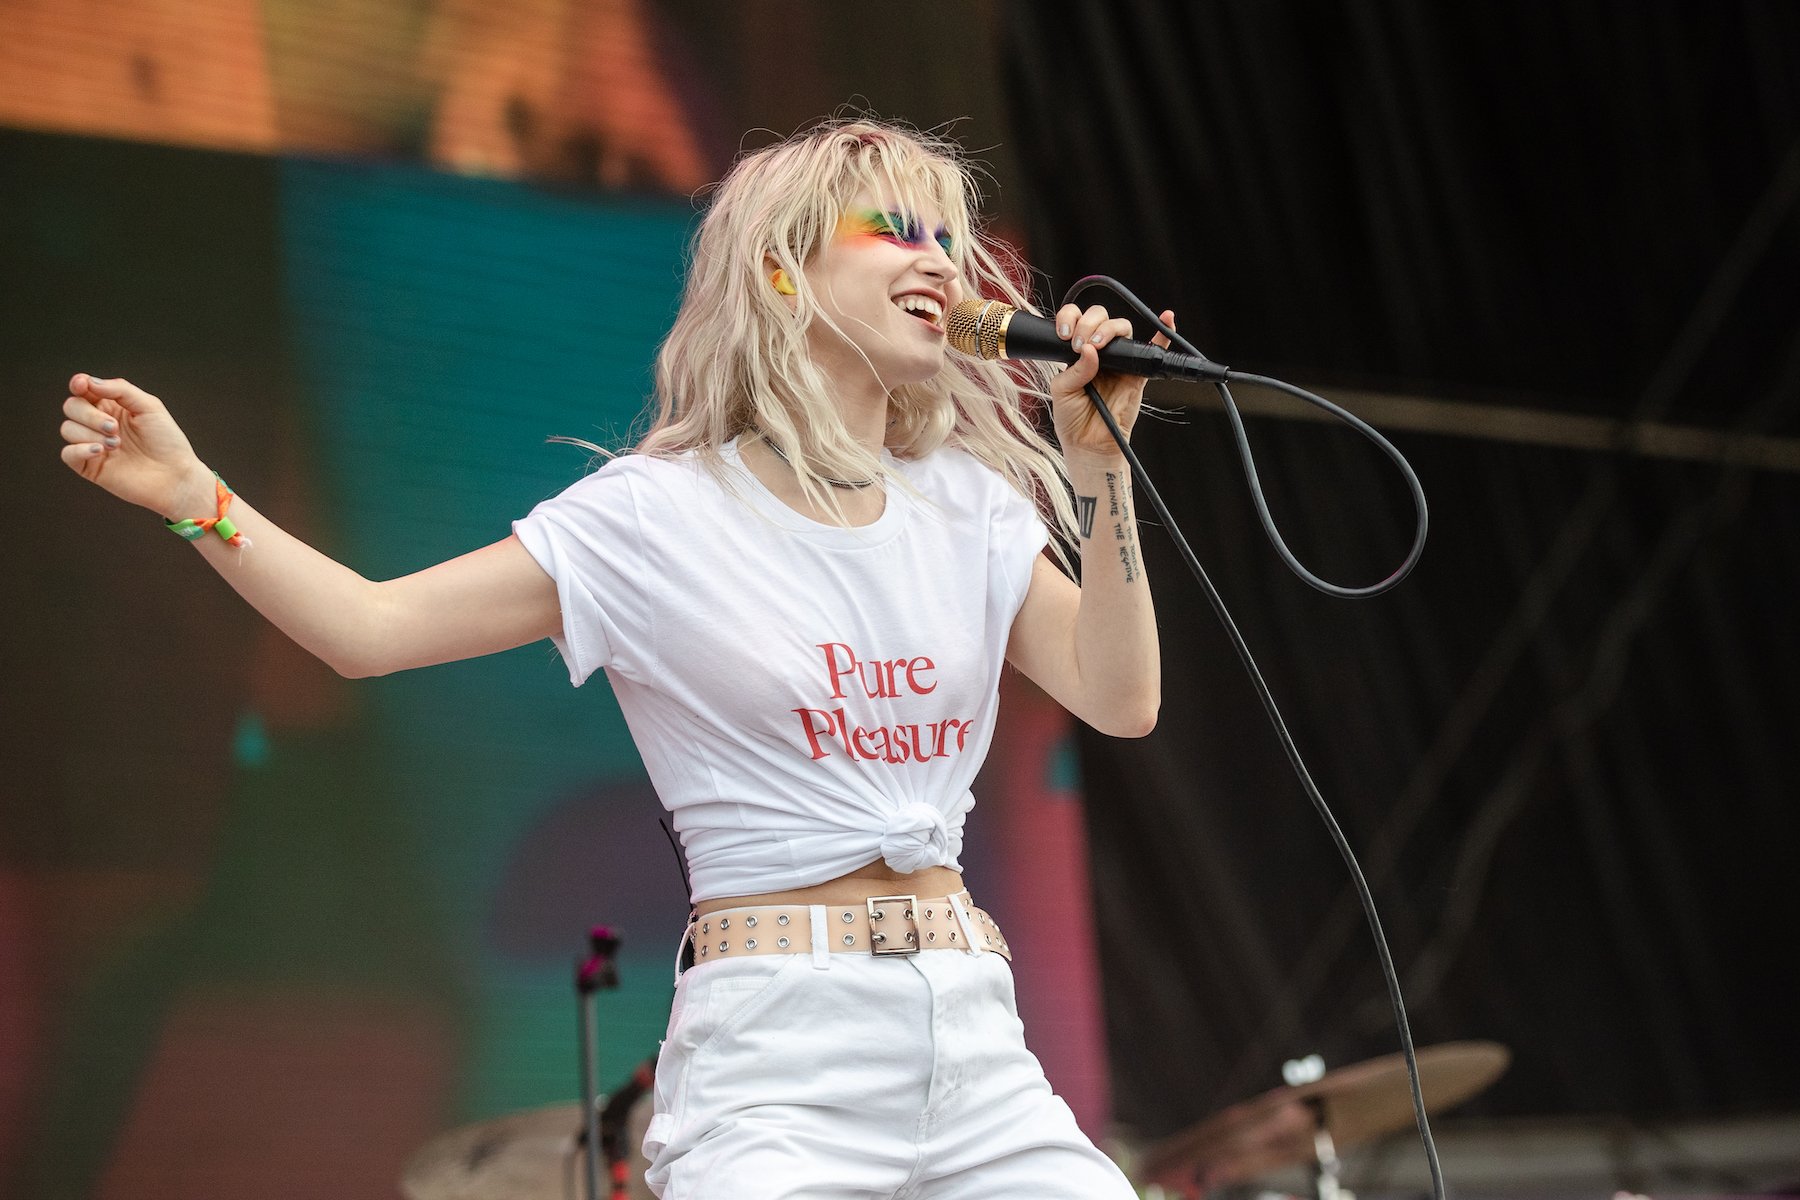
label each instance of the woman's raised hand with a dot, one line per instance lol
(121, 437)
(1079, 429)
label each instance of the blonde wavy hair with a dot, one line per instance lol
(737, 355)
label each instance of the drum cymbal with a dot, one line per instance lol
(1356, 1104)
(532, 1155)
(519, 1156)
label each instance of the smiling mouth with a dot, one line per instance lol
(923, 307)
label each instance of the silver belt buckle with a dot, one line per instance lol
(887, 926)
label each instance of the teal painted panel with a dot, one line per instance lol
(441, 329)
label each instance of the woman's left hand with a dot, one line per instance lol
(1078, 427)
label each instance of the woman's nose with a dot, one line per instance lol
(939, 263)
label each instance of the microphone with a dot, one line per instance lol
(994, 329)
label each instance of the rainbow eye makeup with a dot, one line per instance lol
(900, 228)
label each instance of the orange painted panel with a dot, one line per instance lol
(191, 72)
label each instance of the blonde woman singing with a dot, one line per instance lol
(802, 584)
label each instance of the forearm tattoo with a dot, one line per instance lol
(1084, 512)
(1118, 511)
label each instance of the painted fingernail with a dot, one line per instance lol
(1062, 331)
(112, 441)
(95, 449)
(1095, 339)
(108, 426)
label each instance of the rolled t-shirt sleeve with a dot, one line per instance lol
(1016, 539)
(588, 540)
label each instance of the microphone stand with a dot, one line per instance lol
(599, 970)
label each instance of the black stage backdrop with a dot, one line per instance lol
(1563, 747)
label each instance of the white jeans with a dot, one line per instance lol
(849, 1076)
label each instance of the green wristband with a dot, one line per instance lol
(190, 530)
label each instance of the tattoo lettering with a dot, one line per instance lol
(1117, 505)
(1084, 512)
(1128, 556)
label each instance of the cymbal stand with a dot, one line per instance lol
(1325, 1158)
(598, 971)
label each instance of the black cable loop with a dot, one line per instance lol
(1088, 283)
(1139, 478)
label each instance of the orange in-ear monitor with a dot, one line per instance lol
(782, 283)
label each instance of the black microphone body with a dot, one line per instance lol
(993, 329)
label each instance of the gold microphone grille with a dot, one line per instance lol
(978, 327)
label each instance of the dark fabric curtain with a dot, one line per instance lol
(1563, 747)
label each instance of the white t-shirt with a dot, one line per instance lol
(807, 698)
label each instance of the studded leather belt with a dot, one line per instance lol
(880, 925)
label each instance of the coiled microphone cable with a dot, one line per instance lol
(1288, 747)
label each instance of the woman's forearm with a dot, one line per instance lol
(327, 608)
(1116, 651)
(488, 600)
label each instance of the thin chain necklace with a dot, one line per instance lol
(836, 483)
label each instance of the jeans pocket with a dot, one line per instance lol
(726, 1000)
(711, 1001)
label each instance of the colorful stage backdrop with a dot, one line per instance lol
(264, 930)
